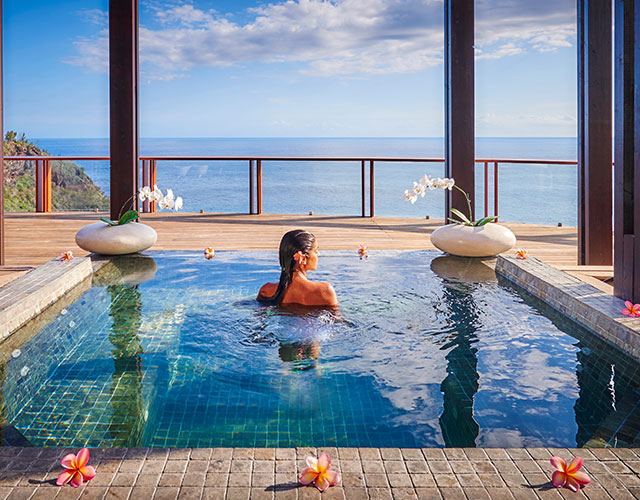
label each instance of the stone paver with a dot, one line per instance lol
(271, 474)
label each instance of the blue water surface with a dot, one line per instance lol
(170, 349)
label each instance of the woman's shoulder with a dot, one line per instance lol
(327, 292)
(268, 289)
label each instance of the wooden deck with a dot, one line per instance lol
(34, 238)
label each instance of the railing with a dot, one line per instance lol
(149, 174)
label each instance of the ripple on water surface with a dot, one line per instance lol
(173, 350)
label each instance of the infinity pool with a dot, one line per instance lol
(172, 350)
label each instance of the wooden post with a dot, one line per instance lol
(362, 186)
(251, 188)
(595, 238)
(259, 185)
(459, 102)
(123, 105)
(371, 189)
(626, 257)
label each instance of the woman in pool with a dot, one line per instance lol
(298, 254)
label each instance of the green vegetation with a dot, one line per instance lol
(72, 188)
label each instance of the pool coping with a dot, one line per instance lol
(24, 298)
(595, 310)
(367, 473)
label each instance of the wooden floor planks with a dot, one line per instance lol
(34, 238)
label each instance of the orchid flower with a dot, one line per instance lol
(66, 256)
(209, 252)
(145, 193)
(178, 203)
(632, 310)
(77, 471)
(521, 254)
(156, 195)
(410, 195)
(319, 473)
(569, 476)
(362, 252)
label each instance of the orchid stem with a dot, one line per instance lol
(466, 196)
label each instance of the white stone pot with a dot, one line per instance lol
(473, 241)
(102, 238)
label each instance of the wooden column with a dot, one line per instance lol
(626, 257)
(123, 104)
(459, 101)
(595, 237)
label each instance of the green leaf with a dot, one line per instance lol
(127, 217)
(108, 221)
(456, 221)
(461, 216)
(485, 220)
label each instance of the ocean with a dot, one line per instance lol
(538, 194)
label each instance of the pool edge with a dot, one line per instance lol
(581, 302)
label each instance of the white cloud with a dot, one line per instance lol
(338, 37)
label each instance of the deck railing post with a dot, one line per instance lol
(144, 208)
(486, 188)
(153, 181)
(259, 184)
(251, 200)
(43, 185)
(362, 187)
(495, 189)
(371, 184)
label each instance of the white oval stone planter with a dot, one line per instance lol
(102, 238)
(473, 241)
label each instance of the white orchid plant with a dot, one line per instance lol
(420, 189)
(165, 202)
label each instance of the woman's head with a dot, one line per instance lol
(298, 252)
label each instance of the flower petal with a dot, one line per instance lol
(333, 477)
(321, 482)
(307, 476)
(626, 312)
(582, 477)
(69, 461)
(82, 458)
(559, 479)
(574, 466)
(558, 463)
(572, 484)
(628, 303)
(65, 477)
(76, 480)
(88, 473)
(312, 462)
(324, 462)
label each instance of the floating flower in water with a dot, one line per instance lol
(522, 254)
(66, 256)
(318, 472)
(632, 310)
(569, 476)
(24, 371)
(16, 353)
(362, 252)
(77, 469)
(298, 256)
(209, 252)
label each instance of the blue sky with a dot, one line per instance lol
(296, 68)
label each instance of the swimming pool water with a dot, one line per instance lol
(426, 350)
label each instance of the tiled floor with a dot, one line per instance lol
(271, 474)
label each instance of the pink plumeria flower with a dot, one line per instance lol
(299, 256)
(522, 254)
(209, 252)
(318, 472)
(569, 476)
(362, 252)
(66, 256)
(632, 310)
(77, 471)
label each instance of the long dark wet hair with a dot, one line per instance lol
(294, 241)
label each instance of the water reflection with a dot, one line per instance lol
(459, 428)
